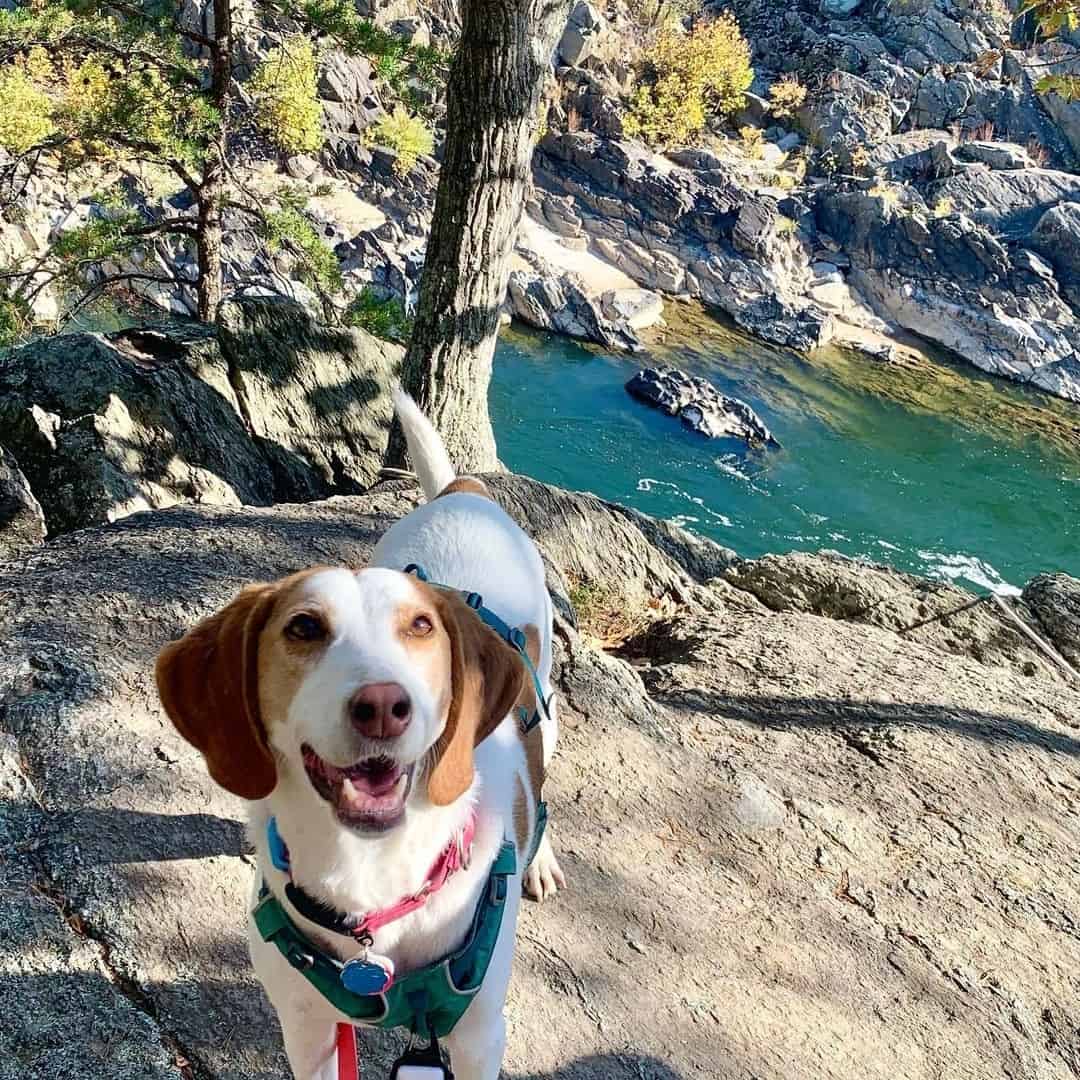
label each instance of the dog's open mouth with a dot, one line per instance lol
(367, 795)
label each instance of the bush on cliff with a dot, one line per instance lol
(690, 76)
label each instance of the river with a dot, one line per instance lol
(920, 464)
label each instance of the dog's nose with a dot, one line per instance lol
(380, 710)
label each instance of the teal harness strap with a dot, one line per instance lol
(429, 1000)
(512, 635)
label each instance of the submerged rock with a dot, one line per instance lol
(699, 405)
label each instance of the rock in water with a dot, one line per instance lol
(700, 406)
(22, 523)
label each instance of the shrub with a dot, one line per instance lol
(752, 139)
(786, 96)
(318, 265)
(407, 135)
(14, 322)
(1037, 152)
(707, 70)
(860, 158)
(385, 318)
(943, 207)
(287, 107)
(25, 109)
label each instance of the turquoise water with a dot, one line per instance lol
(920, 465)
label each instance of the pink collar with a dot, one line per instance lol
(454, 857)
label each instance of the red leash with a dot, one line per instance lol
(348, 1060)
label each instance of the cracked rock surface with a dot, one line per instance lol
(799, 842)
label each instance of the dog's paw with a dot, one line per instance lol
(544, 877)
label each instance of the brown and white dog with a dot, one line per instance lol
(372, 715)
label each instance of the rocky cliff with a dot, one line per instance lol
(802, 841)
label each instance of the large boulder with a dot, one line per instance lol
(1055, 600)
(275, 408)
(22, 522)
(581, 35)
(848, 113)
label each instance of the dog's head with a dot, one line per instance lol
(354, 683)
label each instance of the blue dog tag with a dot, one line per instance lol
(368, 976)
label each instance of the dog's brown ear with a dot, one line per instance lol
(208, 682)
(485, 681)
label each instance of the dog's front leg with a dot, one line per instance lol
(477, 1045)
(311, 1045)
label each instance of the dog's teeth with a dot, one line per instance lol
(347, 789)
(401, 781)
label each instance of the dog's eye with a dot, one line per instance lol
(304, 627)
(421, 626)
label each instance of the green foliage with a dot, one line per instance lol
(287, 106)
(692, 75)
(398, 62)
(383, 318)
(649, 16)
(25, 109)
(99, 85)
(318, 265)
(1066, 86)
(14, 322)
(408, 135)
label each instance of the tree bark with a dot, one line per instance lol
(211, 191)
(493, 96)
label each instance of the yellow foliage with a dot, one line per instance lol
(25, 110)
(860, 158)
(752, 139)
(287, 107)
(707, 70)
(408, 135)
(943, 207)
(786, 96)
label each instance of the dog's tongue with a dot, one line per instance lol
(365, 788)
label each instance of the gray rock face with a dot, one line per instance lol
(700, 406)
(282, 410)
(810, 748)
(1010, 202)
(548, 300)
(581, 34)
(995, 155)
(22, 523)
(689, 230)
(1056, 236)
(921, 271)
(1055, 601)
(850, 112)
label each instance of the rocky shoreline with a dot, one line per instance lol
(915, 190)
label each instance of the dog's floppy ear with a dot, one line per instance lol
(485, 681)
(208, 682)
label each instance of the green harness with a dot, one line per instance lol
(430, 1000)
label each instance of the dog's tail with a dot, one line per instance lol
(429, 456)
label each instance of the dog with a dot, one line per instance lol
(378, 728)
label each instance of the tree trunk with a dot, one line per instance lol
(492, 99)
(211, 192)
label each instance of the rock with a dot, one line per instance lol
(282, 410)
(580, 36)
(546, 298)
(855, 590)
(1057, 237)
(848, 113)
(699, 405)
(995, 155)
(1055, 601)
(413, 29)
(819, 754)
(1009, 201)
(951, 280)
(839, 9)
(22, 523)
(638, 308)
